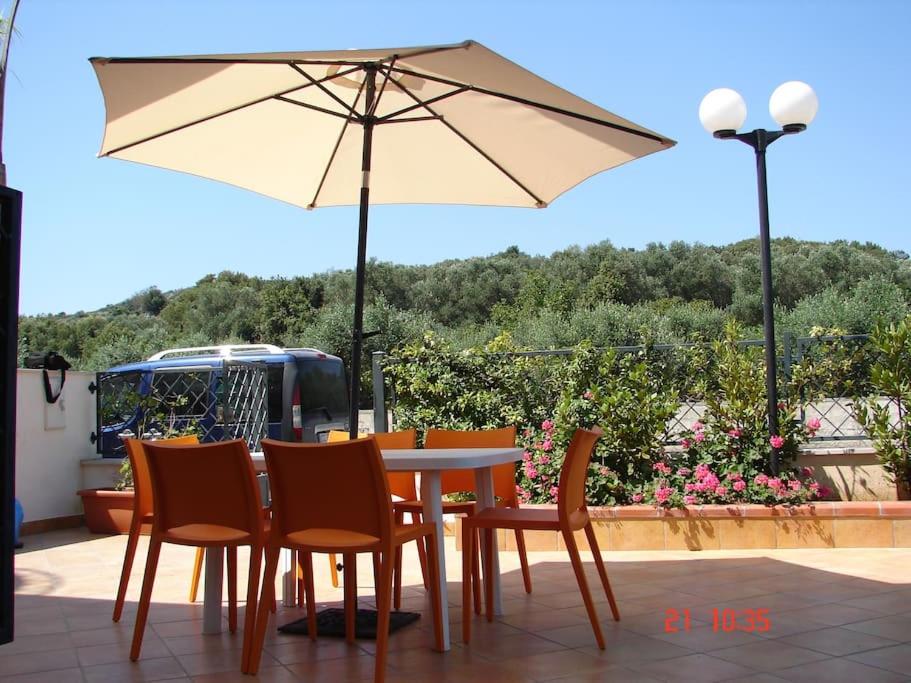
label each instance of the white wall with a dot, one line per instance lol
(50, 442)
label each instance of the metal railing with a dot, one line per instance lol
(834, 370)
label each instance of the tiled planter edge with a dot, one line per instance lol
(729, 527)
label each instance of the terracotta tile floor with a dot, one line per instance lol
(833, 615)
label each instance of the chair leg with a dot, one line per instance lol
(333, 569)
(602, 570)
(476, 573)
(266, 596)
(383, 600)
(376, 572)
(576, 560)
(197, 573)
(422, 555)
(468, 548)
(397, 571)
(232, 588)
(256, 556)
(309, 593)
(350, 560)
(148, 580)
(436, 601)
(488, 580)
(299, 573)
(523, 559)
(128, 556)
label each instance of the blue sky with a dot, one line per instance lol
(96, 231)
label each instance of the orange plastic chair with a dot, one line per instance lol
(571, 515)
(334, 497)
(205, 495)
(401, 484)
(143, 504)
(453, 481)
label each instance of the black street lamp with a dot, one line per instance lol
(793, 106)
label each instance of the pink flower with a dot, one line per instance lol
(824, 491)
(547, 425)
(689, 487)
(554, 492)
(530, 470)
(604, 471)
(781, 405)
(740, 485)
(734, 433)
(544, 459)
(761, 479)
(588, 395)
(721, 490)
(662, 494)
(702, 471)
(813, 486)
(710, 481)
(698, 426)
(813, 424)
(547, 445)
(806, 471)
(734, 476)
(684, 472)
(526, 456)
(774, 483)
(685, 443)
(794, 484)
(689, 500)
(776, 441)
(699, 437)
(637, 497)
(527, 432)
(661, 467)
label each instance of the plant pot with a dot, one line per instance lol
(107, 511)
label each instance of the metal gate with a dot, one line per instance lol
(245, 402)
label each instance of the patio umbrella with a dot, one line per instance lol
(447, 124)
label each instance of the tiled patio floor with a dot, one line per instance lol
(834, 615)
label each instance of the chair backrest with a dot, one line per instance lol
(573, 475)
(463, 480)
(143, 498)
(210, 483)
(336, 435)
(401, 484)
(338, 485)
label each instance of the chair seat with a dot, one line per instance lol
(206, 535)
(515, 518)
(450, 507)
(339, 540)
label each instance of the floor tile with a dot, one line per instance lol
(838, 641)
(839, 670)
(768, 655)
(696, 668)
(896, 658)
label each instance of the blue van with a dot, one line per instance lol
(247, 391)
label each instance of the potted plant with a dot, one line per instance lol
(885, 413)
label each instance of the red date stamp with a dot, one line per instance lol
(724, 620)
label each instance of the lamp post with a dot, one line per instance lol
(793, 106)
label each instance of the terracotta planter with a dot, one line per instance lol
(107, 511)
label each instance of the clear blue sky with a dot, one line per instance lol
(96, 231)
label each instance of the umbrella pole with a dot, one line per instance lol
(357, 334)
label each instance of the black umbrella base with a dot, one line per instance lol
(331, 622)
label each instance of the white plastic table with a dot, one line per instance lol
(430, 462)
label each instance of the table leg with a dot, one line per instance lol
(486, 499)
(289, 579)
(433, 512)
(211, 606)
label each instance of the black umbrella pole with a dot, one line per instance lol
(357, 334)
(768, 313)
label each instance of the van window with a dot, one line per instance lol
(323, 386)
(276, 383)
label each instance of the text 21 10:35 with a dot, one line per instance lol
(726, 620)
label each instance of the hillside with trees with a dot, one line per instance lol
(601, 293)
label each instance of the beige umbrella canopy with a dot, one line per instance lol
(453, 124)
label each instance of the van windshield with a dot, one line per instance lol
(322, 385)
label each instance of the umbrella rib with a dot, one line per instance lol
(323, 110)
(432, 100)
(338, 142)
(538, 105)
(318, 84)
(216, 115)
(376, 100)
(539, 202)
